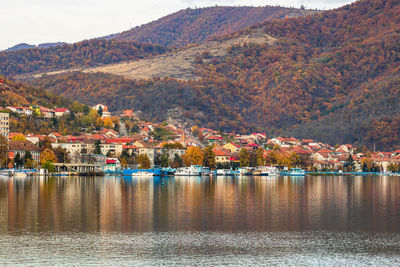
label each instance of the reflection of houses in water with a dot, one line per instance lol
(198, 204)
(137, 204)
(110, 205)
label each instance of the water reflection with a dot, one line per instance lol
(222, 204)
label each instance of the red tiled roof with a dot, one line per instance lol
(120, 140)
(23, 146)
(325, 151)
(212, 137)
(60, 109)
(252, 145)
(129, 147)
(56, 134)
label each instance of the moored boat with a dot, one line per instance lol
(193, 170)
(137, 172)
(225, 172)
(245, 171)
(297, 172)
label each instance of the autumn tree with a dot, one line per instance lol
(3, 150)
(144, 161)
(272, 158)
(195, 155)
(19, 137)
(99, 123)
(253, 159)
(195, 131)
(186, 161)
(108, 123)
(175, 145)
(209, 157)
(48, 155)
(260, 157)
(62, 155)
(244, 157)
(176, 162)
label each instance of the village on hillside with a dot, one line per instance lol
(122, 141)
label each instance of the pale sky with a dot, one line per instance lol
(41, 21)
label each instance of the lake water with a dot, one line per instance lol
(200, 221)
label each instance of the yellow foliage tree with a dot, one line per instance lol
(186, 160)
(108, 123)
(99, 123)
(195, 130)
(48, 155)
(93, 115)
(19, 137)
(195, 155)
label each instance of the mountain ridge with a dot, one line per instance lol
(198, 25)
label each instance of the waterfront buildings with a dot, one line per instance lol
(4, 124)
(21, 147)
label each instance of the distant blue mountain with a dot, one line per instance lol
(27, 46)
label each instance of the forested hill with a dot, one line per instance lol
(17, 94)
(333, 76)
(83, 54)
(198, 25)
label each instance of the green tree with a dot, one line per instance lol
(244, 157)
(97, 148)
(135, 128)
(349, 164)
(18, 161)
(100, 111)
(164, 160)
(209, 157)
(48, 165)
(28, 156)
(157, 159)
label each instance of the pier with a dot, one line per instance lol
(80, 168)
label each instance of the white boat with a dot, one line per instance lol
(273, 171)
(245, 171)
(225, 172)
(205, 171)
(5, 173)
(194, 170)
(143, 174)
(297, 172)
(19, 174)
(266, 171)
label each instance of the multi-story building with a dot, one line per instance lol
(21, 147)
(4, 124)
(77, 148)
(152, 153)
